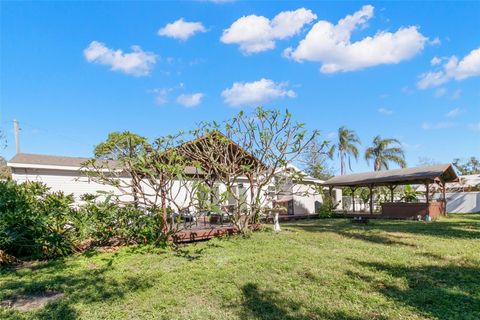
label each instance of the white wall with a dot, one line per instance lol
(61, 180)
(304, 199)
(463, 202)
(72, 182)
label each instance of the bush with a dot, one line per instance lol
(33, 221)
(40, 224)
(105, 221)
(326, 209)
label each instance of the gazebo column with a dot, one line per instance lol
(370, 187)
(353, 197)
(427, 191)
(444, 198)
(392, 187)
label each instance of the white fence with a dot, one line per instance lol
(463, 202)
(457, 202)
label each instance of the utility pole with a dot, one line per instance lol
(15, 130)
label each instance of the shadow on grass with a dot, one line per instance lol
(463, 227)
(80, 284)
(442, 292)
(269, 305)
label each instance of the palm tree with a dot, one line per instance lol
(382, 152)
(346, 147)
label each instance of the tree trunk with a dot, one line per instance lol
(342, 163)
(164, 209)
(276, 224)
(252, 201)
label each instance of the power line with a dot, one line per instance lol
(53, 133)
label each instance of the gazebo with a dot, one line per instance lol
(438, 174)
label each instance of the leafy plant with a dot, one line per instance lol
(410, 195)
(327, 208)
(33, 221)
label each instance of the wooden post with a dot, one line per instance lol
(353, 197)
(391, 187)
(371, 198)
(444, 199)
(427, 197)
(427, 192)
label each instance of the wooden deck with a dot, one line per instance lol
(290, 217)
(199, 234)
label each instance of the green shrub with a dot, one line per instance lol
(326, 209)
(105, 221)
(33, 221)
(36, 223)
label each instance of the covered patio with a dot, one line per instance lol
(439, 174)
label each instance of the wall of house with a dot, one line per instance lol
(68, 181)
(463, 202)
(72, 182)
(304, 198)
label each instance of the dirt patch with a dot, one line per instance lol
(32, 301)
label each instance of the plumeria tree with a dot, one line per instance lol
(249, 157)
(154, 177)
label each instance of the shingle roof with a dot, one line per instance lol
(47, 160)
(415, 175)
(74, 162)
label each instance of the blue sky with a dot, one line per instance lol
(405, 70)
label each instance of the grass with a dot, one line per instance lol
(318, 269)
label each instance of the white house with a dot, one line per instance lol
(64, 174)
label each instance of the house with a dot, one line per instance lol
(64, 174)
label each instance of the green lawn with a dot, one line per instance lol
(317, 269)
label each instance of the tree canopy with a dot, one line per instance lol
(385, 151)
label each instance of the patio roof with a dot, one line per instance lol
(418, 175)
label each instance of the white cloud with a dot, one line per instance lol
(440, 92)
(453, 68)
(161, 95)
(190, 100)
(137, 63)
(435, 42)
(256, 92)
(474, 126)
(453, 113)
(181, 29)
(438, 125)
(385, 111)
(435, 61)
(330, 44)
(257, 33)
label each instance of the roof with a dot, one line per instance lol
(241, 154)
(465, 183)
(29, 160)
(46, 160)
(417, 175)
